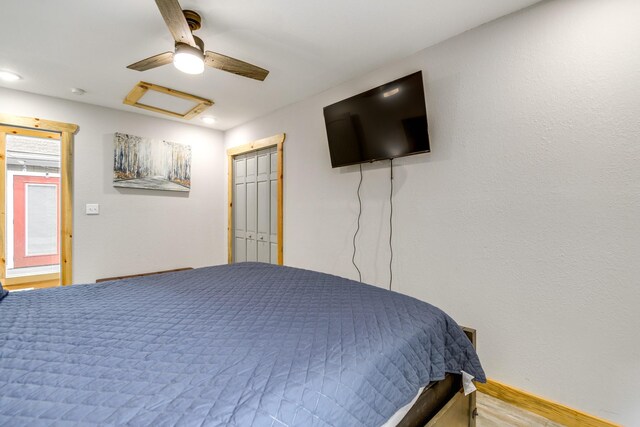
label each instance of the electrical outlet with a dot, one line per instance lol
(92, 209)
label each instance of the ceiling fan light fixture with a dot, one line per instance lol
(189, 55)
(188, 59)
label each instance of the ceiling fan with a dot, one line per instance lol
(189, 55)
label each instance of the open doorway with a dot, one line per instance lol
(35, 203)
(32, 201)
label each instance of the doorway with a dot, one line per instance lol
(255, 176)
(35, 203)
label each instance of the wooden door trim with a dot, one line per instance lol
(21, 280)
(30, 132)
(33, 282)
(272, 141)
(30, 126)
(36, 123)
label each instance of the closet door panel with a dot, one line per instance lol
(252, 219)
(240, 209)
(264, 210)
(255, 207)
(239, 221)
(240, 166)
(252, 208)
(263, 193)
(263, 165)
(273, 206)
(273, 212)
(274, 164)
(263, 252)
(240, 250)
(252, 250)
(252, 167)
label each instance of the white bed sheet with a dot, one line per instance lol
(400, 413)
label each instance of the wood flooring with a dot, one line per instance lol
(493, 412)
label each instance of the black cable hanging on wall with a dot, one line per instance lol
(391, 226)
(353, 257)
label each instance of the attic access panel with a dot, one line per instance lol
(164, 100)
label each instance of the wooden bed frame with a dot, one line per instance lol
(443, 403)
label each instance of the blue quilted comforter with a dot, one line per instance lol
(242, 345)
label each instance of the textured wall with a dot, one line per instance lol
(524, 220)
(137, 230)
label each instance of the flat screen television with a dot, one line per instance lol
(383, 123)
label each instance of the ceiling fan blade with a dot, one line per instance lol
(176, 22)
(152, 62)
(235, 66)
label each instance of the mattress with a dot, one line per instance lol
(243, 345)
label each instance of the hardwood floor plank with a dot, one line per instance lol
(493, 412)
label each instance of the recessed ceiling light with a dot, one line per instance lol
(208, 119)
(8, 76)
(77, 91)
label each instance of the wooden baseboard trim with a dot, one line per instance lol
(551, 410)
(131, 276)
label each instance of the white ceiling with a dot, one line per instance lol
(308, 46)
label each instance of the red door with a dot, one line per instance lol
(36, 211)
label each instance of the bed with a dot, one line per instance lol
(246, 344)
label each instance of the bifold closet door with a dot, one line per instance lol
(255, 195)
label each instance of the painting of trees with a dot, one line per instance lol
(151, 164)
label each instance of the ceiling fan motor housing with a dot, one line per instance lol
(194, 20)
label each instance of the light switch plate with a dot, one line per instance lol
(92, 209)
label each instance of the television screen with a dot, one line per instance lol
(383, 123)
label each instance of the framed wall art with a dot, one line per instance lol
(151, 164)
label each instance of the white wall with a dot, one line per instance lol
(137, 230)
(524, 221)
